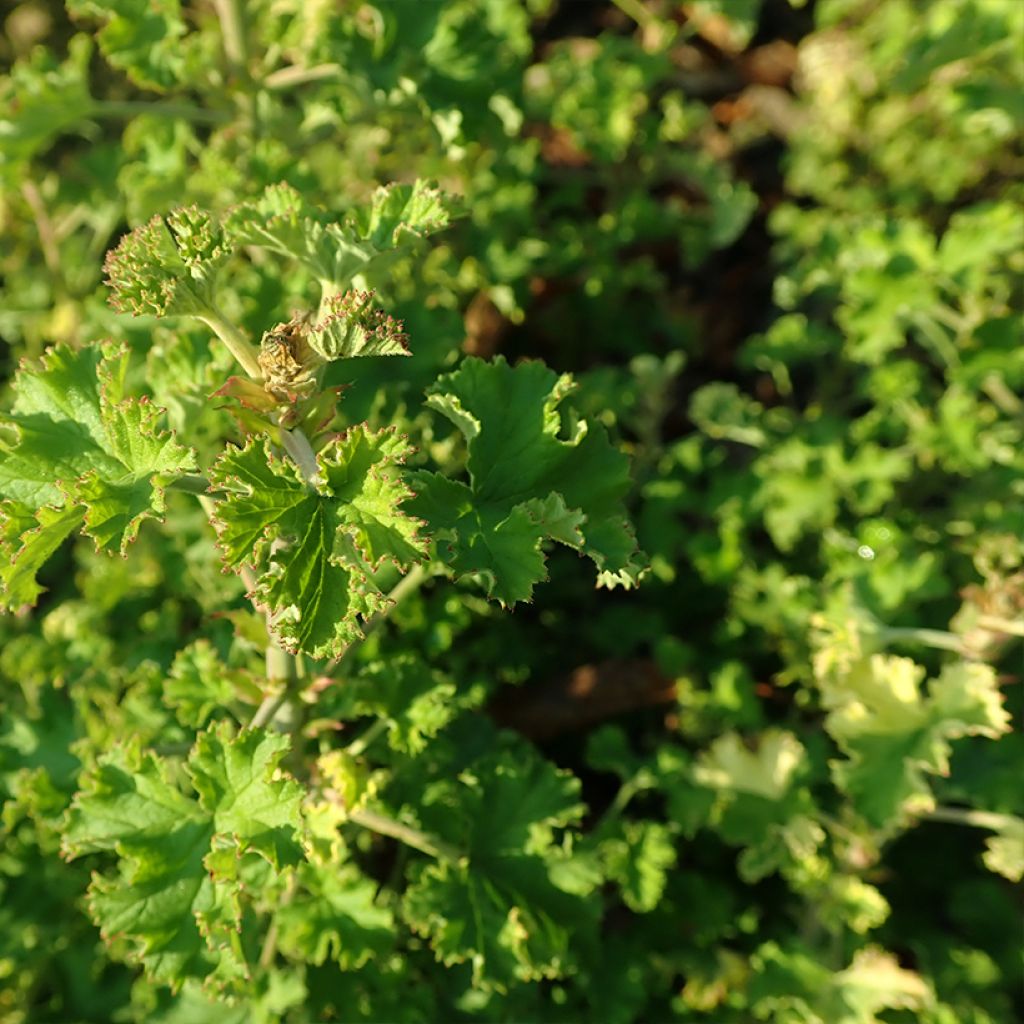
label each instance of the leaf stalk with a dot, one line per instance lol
(414, 837)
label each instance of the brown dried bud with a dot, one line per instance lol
(288, 362)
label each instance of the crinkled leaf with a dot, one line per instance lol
(353, 328)
(333, 916)
(535, 474)
(767, 772)
(1004, 852)
(894, 734)
(236, 779)
(141, 37)
(40, 99)
(37, 766)
(315, 547)
(874, 981)
(334, 251)
(413, 699)
(168, 267)
(507, 918)
(760, 804)
(397, 213)
(27, 540)
(72, 428)
(511, 906)
(174, 896)
(722, 411)
(637, 858)
(200, 684)
(75, 449)
(792, 985)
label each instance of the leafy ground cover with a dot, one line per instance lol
(512, 511)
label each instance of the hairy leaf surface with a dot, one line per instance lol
(535, 474)
(894, 734)
(315, 545)
(175, 896)
(513, 905)
(75, 450)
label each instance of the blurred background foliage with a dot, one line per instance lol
(779, 245)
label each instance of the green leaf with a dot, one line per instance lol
(637, 858)
(793, 985)
(77, 451)
(168, 267)
(141, 37)
(874, 981)
(760, 804)
(894, 734)
(535, 474)
(175, 896)
(76, 438)
(333, 915)
(316, 545)
(40, 99)
(767, 772)
(200, 684)
(27, 540)
(1004, 852)
(414, 700)
(352, 329)
(514, 906)
(722, 411)
(335, 251)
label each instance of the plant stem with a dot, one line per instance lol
(635, 9)
(192, 483)
(995, 387)
(44, 227)
(237, 343)
(629, 789)
(133, 108)
(286, 78)
(269, 950)
(297, 445)
(413, 837)
(974, 819)
(172, 749)
(927, 637)
(235, 36)
(361, 742)
(232, 28)
(271, 705)
(998, 625)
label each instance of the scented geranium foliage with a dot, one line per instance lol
(77, 452)
(320, 518)
(643, 643)
(536, 474)
(316, 543)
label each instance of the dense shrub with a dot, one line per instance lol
(372, 335)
